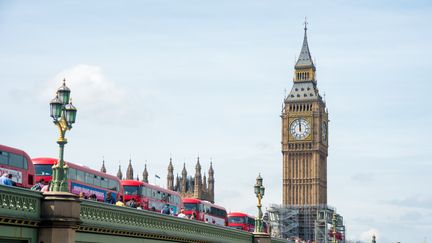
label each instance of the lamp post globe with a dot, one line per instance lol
(64, 115)
(70, 113)
(56, 107)
(64, 93)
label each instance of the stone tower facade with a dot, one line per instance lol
(192, 187)
(304, 137)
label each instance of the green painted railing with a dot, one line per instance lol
(19, 206)
(108, 219)
(22, 207)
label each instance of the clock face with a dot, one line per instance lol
(324, 132)
(300, 128)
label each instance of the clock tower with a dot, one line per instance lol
(304, 137)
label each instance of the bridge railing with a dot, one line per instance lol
(19, 206)
(22, 208)
(109, 219)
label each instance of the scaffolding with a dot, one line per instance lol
(311, 223)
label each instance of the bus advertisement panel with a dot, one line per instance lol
(17, 163)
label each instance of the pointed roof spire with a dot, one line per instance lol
(198, 165)
(119, 173)
(103, 169)
(170, 166)
(305, 59)
(129, 171)
(145, 174)
(184, 172)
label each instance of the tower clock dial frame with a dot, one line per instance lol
(300, 128)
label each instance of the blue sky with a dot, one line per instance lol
(154, 79)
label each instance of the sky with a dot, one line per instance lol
(182, 79)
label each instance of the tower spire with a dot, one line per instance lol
(129, 171)
(305, 60)
(145, 174)
(103, 169)
(119, 173)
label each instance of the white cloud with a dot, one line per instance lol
(96, 97)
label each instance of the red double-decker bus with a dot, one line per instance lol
(205, 211)
(81, 179)
(17, 163)
(151, 197)
(241, 221)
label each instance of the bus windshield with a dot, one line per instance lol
(132, 190)
(190, 206)
(236, 220)
(44, 170)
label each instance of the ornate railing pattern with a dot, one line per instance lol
(19, 206)
(108, 219)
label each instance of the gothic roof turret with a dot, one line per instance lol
(305, 59)
(198, 165)
(211, 171)
(103, 169)
(129, 171)
(170, 166)
(145, 174)
(204, 182)
(184, 172)
(119, 173)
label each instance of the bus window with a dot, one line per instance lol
(80, 175)
(104, 182)
(144, 192)
(72, 174)
(97, 181)
(44, 170)
(190, 206)
(112, 185)
(4, 157)
(130, 190)
(89, 178)
(25, 163)
(16, 160)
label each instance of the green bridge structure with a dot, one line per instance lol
(61, 217)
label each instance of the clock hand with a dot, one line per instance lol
(299, 125)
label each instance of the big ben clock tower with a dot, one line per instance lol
(304, 137)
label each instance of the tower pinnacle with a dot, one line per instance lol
(305, 60)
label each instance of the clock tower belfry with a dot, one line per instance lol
(304, 136)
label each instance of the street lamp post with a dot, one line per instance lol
(63, 114)
(259, 192)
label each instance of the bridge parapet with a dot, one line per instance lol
(31, 215)
(19, 206)
(108, 219)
